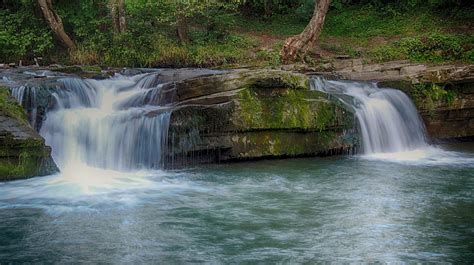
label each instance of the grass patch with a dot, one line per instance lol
(435, 48)
(162, 51)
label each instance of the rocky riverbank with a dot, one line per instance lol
(255, 114)
(443, 94)
(243, 114)
(23, 153)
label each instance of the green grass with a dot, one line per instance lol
(421, 36)
(367, 22)
(163, 51)
(433, 48)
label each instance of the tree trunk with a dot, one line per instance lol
(299, 45)
(55, 23)
(119, 18)
(182, 30)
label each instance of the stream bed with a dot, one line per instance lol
(415, 206)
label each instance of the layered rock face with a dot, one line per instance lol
(23, 153)
(443, 94)
(454, 119)
(224, 115)
(254, 114)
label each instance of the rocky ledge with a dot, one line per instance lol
(23, 153)
(215, 116)
(443, 94)
(254, 114)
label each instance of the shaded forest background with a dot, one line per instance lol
(227, 33)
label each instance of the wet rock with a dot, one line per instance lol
(254, 114)
(444, 119)
(412, 70)
(23, 153)
(399, 71)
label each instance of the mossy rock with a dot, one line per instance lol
(286, 109)
(255, 114)
(74, 69)
(9, 107)
(23, 153)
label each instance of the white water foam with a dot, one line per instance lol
(390, 125)
(95, 124)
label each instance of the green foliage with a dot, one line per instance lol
(305, 10)
(367, 21)
(428, 96)
(268, 8)
(219, 35)
(22, 35)
(271, 58)
(432, 48)
(386, 53)
(86, 20)
(280, 26)
(159, 50)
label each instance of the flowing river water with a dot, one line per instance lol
(401, 200)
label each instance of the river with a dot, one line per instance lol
(399, 200)
(418, 207)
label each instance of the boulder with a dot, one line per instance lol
(23, 153)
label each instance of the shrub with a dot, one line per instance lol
(434, 48)
(22, 36)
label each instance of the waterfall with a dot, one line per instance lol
(27, 97)
(388, 120)
(108, 124)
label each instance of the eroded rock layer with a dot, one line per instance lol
(255, 114)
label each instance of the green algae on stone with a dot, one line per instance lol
(285, 108)
(254, 114)
(257, 144)
(9, 107)
(22, 151)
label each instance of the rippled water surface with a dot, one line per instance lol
(415, 206)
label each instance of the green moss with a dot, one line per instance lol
(24, 166)
(251, 108)
(68, 69)
(296, 81)
(285, 143)
(285, 109)
(9, 107)
(91, 68)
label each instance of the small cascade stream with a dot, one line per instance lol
(388, 120)
(413, 204)
(113, 124)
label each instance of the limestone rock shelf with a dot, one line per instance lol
(255, 114)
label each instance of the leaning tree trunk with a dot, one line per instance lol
(55, 23)
(118, 15)
(299, 45)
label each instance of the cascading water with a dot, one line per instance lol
(27, 97)
(108, 124)
(389, 121)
